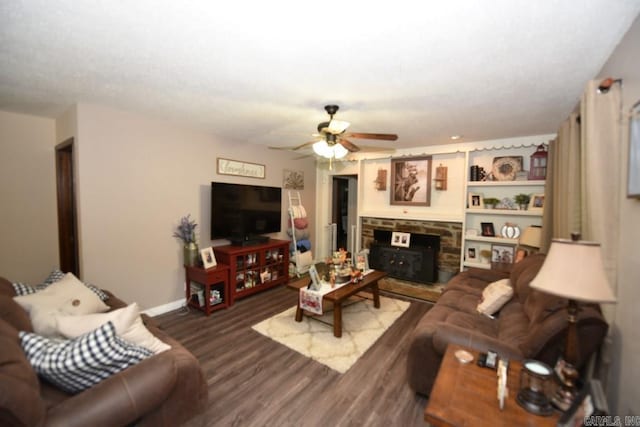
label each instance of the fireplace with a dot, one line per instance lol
(449, 233)
(416, 263)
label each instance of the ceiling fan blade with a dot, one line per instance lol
(372, 149)
(293, 148)
(348, 145)
(381, 136)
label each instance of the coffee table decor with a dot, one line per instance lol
(362, 325)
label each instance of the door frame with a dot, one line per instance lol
(67, 208)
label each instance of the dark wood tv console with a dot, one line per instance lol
(254, 268)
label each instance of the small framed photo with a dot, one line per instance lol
(315, 279)
(589, 404)
(401, 239)
(471, 254)
(475, 201)
(502, 254)
(487, 229)
(362, 260)
(208, 257)
(537, 202)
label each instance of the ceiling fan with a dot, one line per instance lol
(332, 140)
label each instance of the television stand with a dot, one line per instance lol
(249, 240)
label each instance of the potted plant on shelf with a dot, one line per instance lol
(186, 233)
(522, 200)
(490, 202)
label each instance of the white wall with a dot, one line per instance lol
(136, 177)
(28, 217)
(624, 388)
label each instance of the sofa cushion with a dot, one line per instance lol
(127, 322)
(494, 296)
(68, 296)
(12, 313)
(20, 402)
(523, 273)
(77, 364)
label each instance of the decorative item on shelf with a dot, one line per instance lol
(506, 203)
(490, 202)
(535, 387)
(477, 173)
(537, 202)
(510, 230)
(208, 258)
(441, 178)
(538, 165)
(522, 200)
(506, 168)
(381, 180)
(573, 269)
(475, 201)
(186, 232)
(485, 256)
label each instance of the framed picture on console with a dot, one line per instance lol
(208, 257)
(362, 260)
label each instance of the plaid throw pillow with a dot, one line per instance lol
(55, 276)
(77, 364)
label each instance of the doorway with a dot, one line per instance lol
(344, 211)
(67, 215)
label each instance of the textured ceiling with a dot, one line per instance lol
(260, 72)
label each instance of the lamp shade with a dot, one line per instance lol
(532, 236)
(573, 269)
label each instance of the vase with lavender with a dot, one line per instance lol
(186, 233)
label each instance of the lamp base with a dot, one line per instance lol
(566, 393)
(534, 402)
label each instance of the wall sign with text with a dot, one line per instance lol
(235, 167)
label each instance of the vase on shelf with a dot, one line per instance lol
(190, 252)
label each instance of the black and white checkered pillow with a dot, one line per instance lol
(55, 276)
(77, 364)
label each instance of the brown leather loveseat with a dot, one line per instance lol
(530, 325)
(165, 389)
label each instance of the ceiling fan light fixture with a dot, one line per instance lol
(321, 148)
(339, 151)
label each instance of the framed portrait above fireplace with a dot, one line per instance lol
(411, 181)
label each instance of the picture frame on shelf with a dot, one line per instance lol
(400, 239)
(475, 201)
(537, 202)
(411, 181)
(208, 258)
(502, 254)
(590, 402)
(487, 229)
(471, 254)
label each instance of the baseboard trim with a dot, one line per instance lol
(164, 308)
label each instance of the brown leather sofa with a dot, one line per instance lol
(530, 325)
(166, 389)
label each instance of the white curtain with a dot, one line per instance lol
(584, 175)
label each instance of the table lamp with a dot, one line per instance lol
(573, 269)
(531, 237)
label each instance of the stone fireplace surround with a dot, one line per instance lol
(450, 237)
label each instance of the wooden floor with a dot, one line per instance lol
(254, 381)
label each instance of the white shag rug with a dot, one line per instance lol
(362, 325)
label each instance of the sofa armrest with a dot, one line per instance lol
(451, 334)
(120, 399)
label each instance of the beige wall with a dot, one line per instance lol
(136, 177)
(624, 389)
(28, 217)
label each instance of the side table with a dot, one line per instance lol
(197, 280)
(466, 395)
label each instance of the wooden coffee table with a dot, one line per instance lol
(466, 395)
(342, 293)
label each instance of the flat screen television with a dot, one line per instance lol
(242, 212)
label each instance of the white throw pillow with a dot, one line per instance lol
(494, 296)
(67, 296)
(127, 322)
